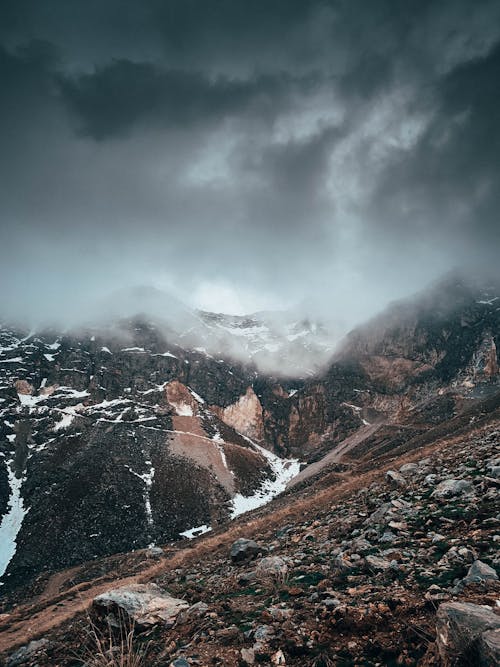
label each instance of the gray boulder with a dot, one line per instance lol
(479, 573)
(140, 604)
(409, 469)
(395, 479)
(271, 567)
(26, 653)
(377, 563)
(459, 629)
(244, 549)
(453, 487)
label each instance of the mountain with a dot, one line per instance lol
(276, 342)
(116, 439)
(117, 442)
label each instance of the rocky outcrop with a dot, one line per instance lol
(141, 605)
(245, 415)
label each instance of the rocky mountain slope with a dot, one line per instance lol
(384, 561)
(116, 438)
(110, 447)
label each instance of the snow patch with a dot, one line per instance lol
(12, 520)
(29, 400)
(66, 420)
(73, 393)
(195, 532)
(182, 409)
(196, 396)
(146, 477)
(284, 470)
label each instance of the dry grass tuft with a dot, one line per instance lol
(113, 647)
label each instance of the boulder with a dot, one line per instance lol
(248, 656)
(479, 573)
(494, 471)
(409, 469)
(489, 648)
(271, 567)
(139, 604)
(195, 611)
(244, 549)
(395, 479)
(453, 487)
(459, 628)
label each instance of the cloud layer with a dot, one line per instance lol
(335, 154)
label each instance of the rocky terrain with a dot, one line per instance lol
(356, 567)
(116, 442)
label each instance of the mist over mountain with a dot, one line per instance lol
(339, 154)
(249, 333)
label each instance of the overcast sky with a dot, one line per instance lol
(246, 154)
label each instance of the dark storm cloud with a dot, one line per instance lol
(447, 186)
(338, 152)
(122, 94)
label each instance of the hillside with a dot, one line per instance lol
(357, 564)
(119, 444)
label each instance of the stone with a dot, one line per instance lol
(453, 487)
(263, 632)
(278, 658)
(154, 552)
(409, 469)
(271, 567)
(489, 648)
(197, 610)
(395, 478)
(140, 604)
(479, 573)
(331, 603)
(379, 514)
(377, 563)
(458, 627)
(244, 549)
(248, 656)
(26, 653)
(180, 662)
(280, 613)
(387, 537)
